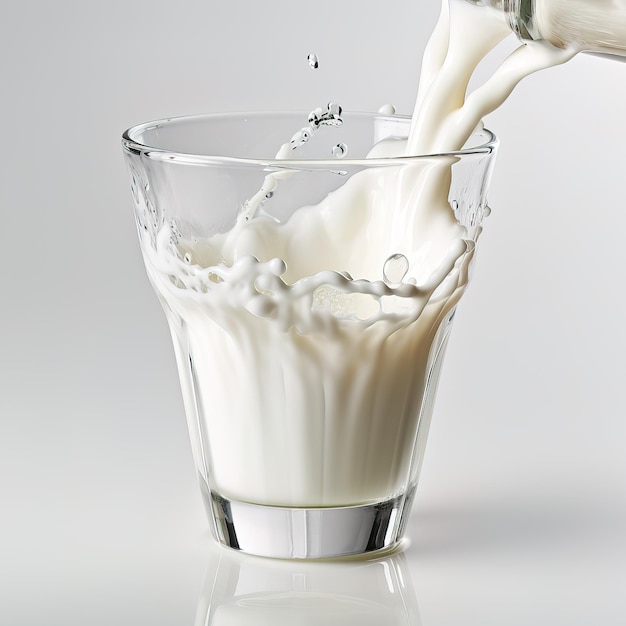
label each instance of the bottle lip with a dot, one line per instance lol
(520, 15)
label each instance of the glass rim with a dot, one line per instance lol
(133, 146)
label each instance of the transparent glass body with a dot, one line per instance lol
(310, 300)
(595, 26)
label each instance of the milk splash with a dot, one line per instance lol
(306, 346)
(314, 62)
(318, 118)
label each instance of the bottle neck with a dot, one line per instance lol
(520, 15)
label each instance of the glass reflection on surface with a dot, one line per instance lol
(242, 590)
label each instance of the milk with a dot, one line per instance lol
(445, 114)
(304, 346)
(311, 381)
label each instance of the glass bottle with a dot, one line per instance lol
(597, 26)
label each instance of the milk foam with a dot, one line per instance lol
(303, 371)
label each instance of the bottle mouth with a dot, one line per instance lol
(520, 15)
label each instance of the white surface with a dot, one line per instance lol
(521, 512)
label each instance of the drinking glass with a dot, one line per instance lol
(310, 286)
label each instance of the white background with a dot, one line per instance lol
(521, 513)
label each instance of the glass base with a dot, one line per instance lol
(316, 533)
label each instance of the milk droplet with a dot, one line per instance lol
(395, 269)
(340, 150)
(334, 109)
(319, 117)
(315, 116)
(455, 205)
(300, 138)
(332, 115)
(387, 109)
(314, 62)
(187, 258)
(277, 267)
